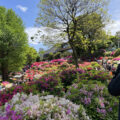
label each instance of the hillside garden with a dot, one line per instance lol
(57, 90)
(65, 85)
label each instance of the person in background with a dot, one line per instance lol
(114, 86)
(109, 65)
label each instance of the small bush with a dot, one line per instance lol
(57, 55)
(65, 54)
(69, 76)
(98, 76)
(108, 53)
(117, 53)
(50, 83)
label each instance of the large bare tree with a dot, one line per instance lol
(63, 15)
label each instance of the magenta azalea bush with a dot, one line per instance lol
(50, 83)
(7, 95)
(116, 59)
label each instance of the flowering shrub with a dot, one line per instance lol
(50, 83)
(112, 54)
(7, 95)
(39, 69)
(84, 64)
(44, 108)
(99, 76)
(58, 60)
(95, 99)
(68, 76)
(37, 64)
(5, 83)
(10, 114)
(95, 75)
(100, 58)
(117, 53)
(116, 59)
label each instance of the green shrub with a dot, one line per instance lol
(108, 53)
(95, 65)
(96, 75)
(65, 54)
(49, 56)
(99, 76)
(57, 55)
(117, 53)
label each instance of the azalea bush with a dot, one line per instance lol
(33, 107)
(38, 69)
(99, 76)
(116, 58)
(95, 76)
(117, 53)
(99, 105)
(93, 66)
(69, 76)
(10, 114)
(7, 94)
(50, 83)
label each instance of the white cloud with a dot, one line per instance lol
(22, 8)
(113, 27)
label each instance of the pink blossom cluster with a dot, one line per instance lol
(113, 52)
(58, 60)
(117, 59)
(36, 64)
(84, 64)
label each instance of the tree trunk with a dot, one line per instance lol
(75, 56)
(4, 71)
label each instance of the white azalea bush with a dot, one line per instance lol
(33, 107)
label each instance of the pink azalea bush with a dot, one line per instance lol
(116, 59)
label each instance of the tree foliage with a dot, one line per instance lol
(60, 14)
(31, 55)
(13, 42)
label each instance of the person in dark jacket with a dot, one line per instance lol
(114, 86)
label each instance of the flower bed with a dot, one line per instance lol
(33, 107)
(85, 87)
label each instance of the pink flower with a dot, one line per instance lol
(102, 105)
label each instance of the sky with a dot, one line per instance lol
(27, 10)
